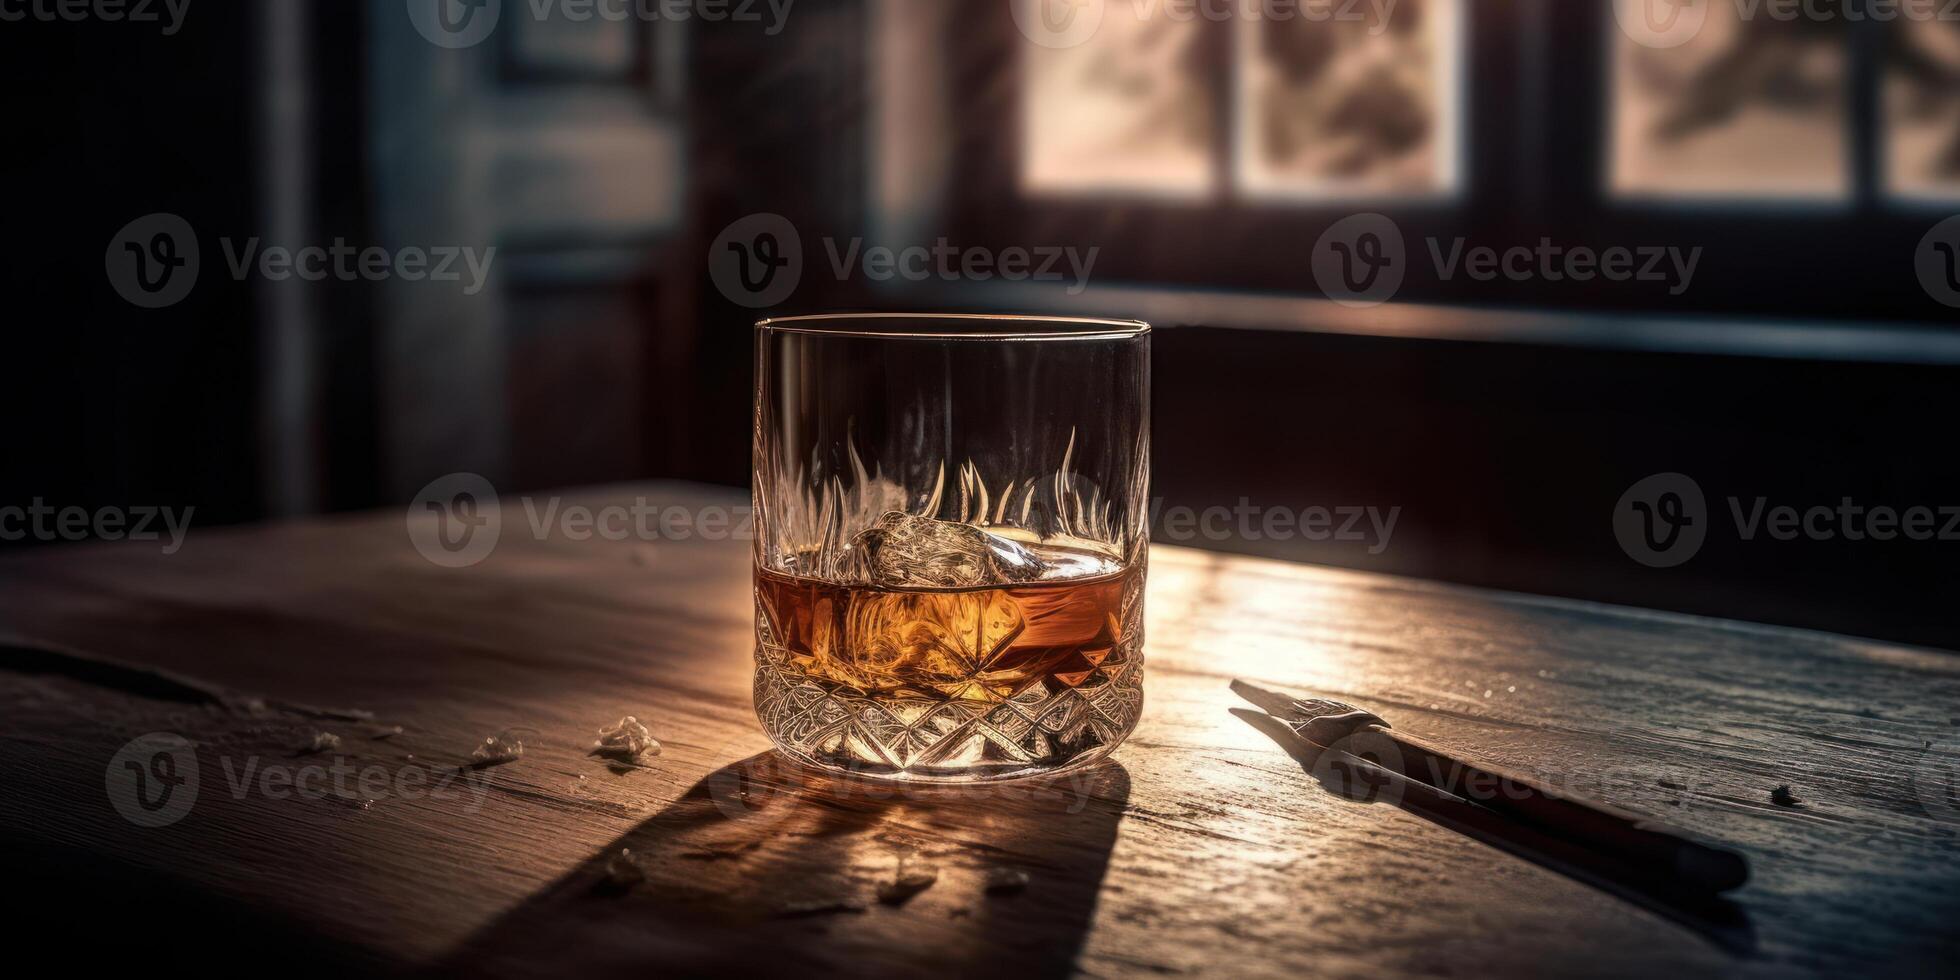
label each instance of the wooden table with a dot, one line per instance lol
(1202, 849)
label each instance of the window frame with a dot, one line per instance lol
(1534, 127)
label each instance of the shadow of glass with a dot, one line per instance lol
(766, 867)
(1354, 777)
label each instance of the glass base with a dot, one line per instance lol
(857, 768)
(1049, 726)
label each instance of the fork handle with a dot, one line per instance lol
(1631, 837)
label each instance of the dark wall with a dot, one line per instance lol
(106, 403)
(1508, 461)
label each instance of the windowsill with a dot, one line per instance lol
(1824, 340)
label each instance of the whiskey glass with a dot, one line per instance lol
(951, 541)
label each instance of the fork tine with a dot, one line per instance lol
(1271, 702)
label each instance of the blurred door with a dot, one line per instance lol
(556, 142)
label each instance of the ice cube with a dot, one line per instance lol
(930, 641)
(904, 551)
(495, 750)
(626, 741)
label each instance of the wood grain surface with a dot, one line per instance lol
(1202, 849)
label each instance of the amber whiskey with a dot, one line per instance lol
(980, 680)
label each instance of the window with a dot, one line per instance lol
(1126, 111)
(1361, 100)
(1922, 110)
(1360, 107)
(1212, 152)
(1748, 108)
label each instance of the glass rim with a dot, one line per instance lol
(958, 326)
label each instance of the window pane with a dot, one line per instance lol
(1130, 109)
(1922, 99)
(1746, 108)
(1337, 106)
